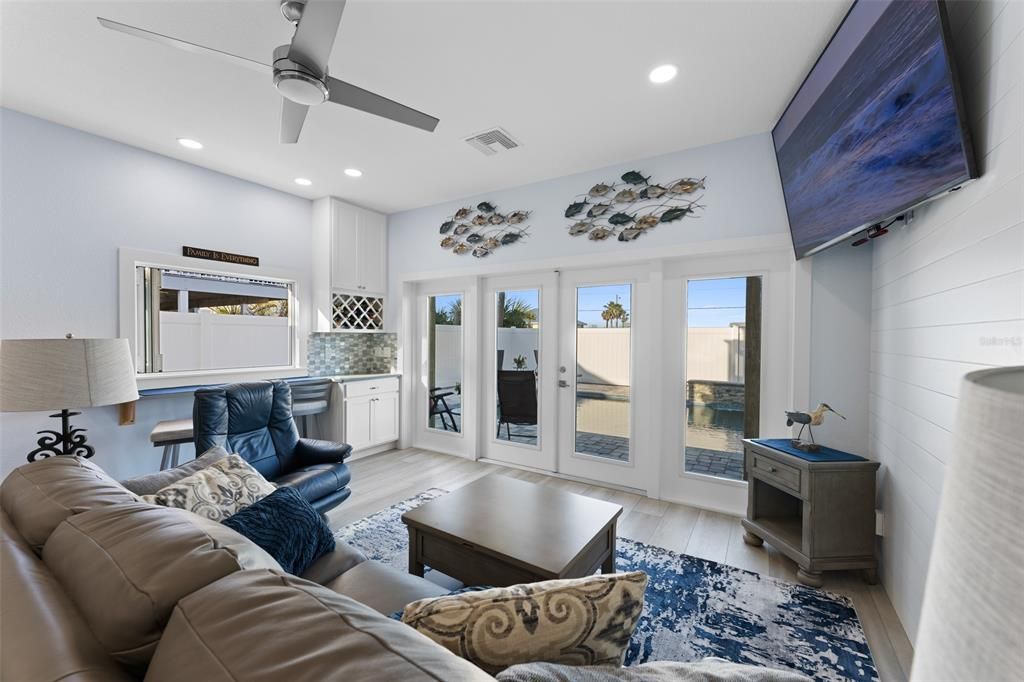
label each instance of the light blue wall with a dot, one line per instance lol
(743, 199)
(68, 201)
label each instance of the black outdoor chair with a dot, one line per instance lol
(517, 400)
(439, 406)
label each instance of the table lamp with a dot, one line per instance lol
(972, 621)
(50, 374)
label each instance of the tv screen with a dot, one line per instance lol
(876, 127)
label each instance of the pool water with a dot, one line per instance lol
(714, 429)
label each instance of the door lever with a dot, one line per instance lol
(562, 383)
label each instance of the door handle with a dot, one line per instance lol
(562, 383)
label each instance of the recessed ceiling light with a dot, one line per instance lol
(190, 144)
(353, 172)
(663, 73)
(305, 182)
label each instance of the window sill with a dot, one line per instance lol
(215, 376)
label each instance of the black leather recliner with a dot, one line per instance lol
(255, 421)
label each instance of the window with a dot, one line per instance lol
(444, 363)
(722, 374)
(189, 320)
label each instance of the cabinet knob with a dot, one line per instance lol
(772, 469)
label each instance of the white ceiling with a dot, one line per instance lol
(568, 79)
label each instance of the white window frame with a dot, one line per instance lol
(128, 305)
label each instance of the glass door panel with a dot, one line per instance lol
(603, 367)
(722, 374)
(517, 365)
(444, 363)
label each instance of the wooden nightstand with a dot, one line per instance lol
(817, 508)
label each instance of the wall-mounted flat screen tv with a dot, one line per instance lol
(876, 128)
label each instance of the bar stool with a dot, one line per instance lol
(170, 435)
(310, 398)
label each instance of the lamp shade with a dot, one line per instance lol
(55, 374)
(972, 621)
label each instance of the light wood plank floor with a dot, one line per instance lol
(382, 480)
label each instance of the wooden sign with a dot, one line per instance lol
(222, 256)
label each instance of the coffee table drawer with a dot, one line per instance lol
(468, 564)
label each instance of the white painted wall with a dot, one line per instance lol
(948, 298)
(68, 201)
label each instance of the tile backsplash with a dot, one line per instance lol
(330, 353)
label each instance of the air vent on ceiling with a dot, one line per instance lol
(492, 141)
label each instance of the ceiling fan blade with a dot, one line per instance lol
(315, 34)
(292, 116)
(182, 44)
(353, 96)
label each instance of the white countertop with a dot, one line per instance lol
(343, 378)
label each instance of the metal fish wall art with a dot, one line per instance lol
(483, 229)
(632, 206)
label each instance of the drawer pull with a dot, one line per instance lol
(772, 469)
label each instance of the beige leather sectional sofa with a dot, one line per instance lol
(96, 585)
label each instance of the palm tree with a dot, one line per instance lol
(608, 314)
(517, 313)
(614, 312)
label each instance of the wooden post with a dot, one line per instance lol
(752, 361)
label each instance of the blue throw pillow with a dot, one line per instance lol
(287, 527)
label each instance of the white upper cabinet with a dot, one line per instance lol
(359, 246)
(350, 254)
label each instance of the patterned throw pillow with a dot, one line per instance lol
(216, 492)
(288, 527)
(584, 621)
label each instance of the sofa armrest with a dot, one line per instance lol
(311, 451)
(331, 565)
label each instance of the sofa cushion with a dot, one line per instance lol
(331, 565)
(216, 492)
(125, 568)
(231, 630)
(287, 527)
(39, 495)
(42, 636)
(317, 480)
(382, 588)
(582, 621)
(150, 484)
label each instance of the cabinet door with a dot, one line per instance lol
(372, 252)
(358, 422)
(385, 418)
(344, 246)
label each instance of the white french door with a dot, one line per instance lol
(520, 335)
(604, 376)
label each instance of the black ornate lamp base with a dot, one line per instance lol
(69, 441)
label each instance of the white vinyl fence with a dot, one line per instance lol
(206, 340)
(714, 354)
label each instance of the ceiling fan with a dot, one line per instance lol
(300, 69)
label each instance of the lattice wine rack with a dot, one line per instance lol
(357, 312)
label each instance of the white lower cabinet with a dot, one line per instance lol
(365, 413)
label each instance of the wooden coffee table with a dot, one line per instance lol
(502, 531)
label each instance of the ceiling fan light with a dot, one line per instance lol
(353, 172)
(189, 143)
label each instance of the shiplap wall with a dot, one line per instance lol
(948, 298)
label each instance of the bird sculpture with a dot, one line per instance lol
(806, 420)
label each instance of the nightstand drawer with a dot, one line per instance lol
(783, 474)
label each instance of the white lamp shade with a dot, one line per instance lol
(54, 374)
(972, 621)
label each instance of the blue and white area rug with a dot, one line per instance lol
(695, 608)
